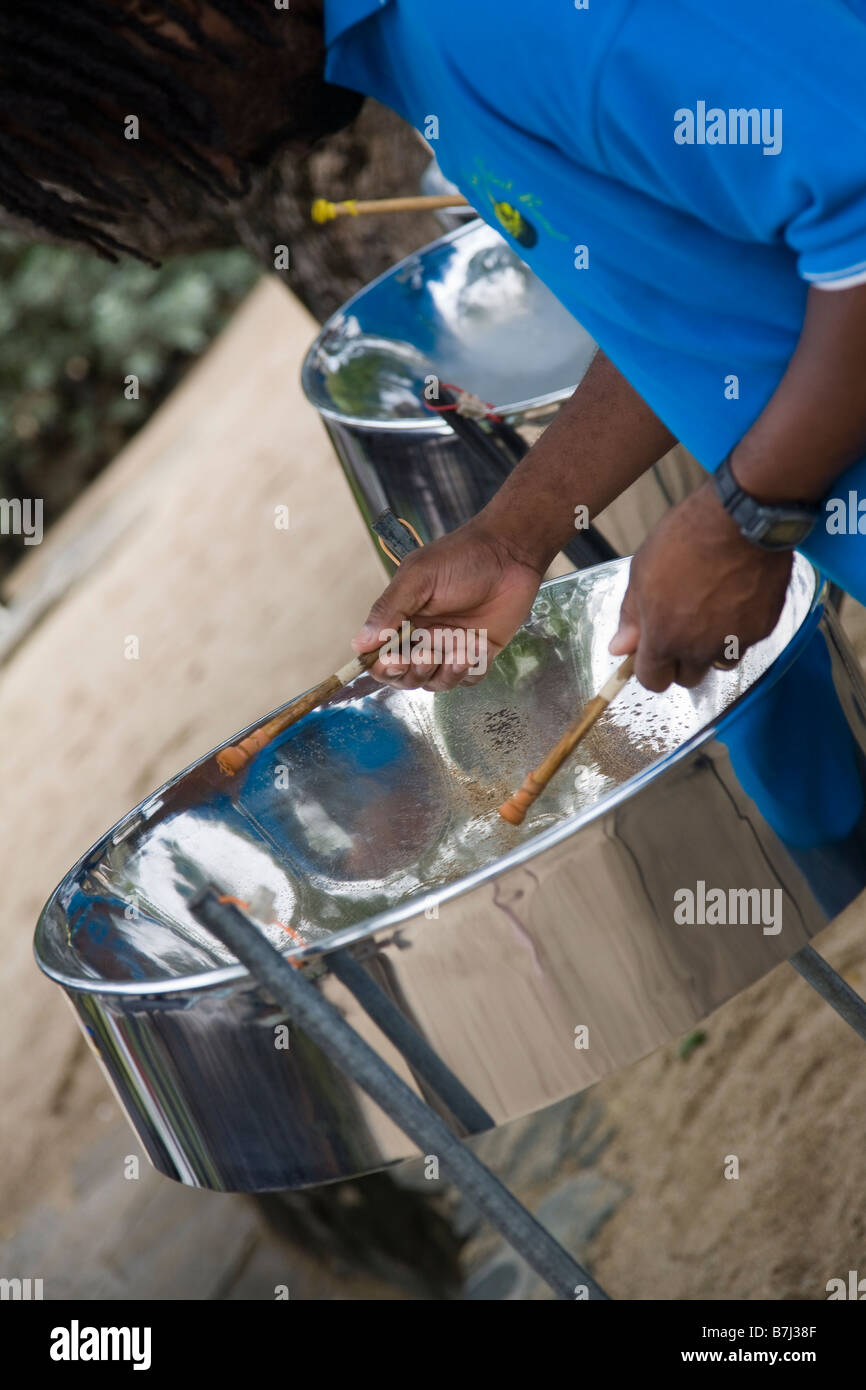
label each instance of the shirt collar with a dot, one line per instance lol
(341, 15)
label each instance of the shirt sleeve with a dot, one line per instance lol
(749, 116)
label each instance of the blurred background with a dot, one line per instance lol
(67, 319)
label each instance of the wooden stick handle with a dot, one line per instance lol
(325, 211)
(514, 809)
(233, 760)
(403, 538)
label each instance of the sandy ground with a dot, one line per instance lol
(232, 616)
(781, 1084)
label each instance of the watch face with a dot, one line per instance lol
(786, 533)
(772, 528)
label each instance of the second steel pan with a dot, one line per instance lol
(467, 309)
(534, 961)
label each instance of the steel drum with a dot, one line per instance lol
(534, 960)
(465, 309)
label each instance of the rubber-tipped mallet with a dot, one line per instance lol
(514, 809)
(325, 211)
(233, 760)
(397, 539)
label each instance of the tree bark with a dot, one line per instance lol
(378, 156)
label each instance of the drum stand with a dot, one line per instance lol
(832, 988)
(323, 1024)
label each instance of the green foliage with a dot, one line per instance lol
(72, 328)
(690, 1043)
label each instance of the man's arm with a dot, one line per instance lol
(696, 583)
(485, 575)
(601, 441)
(814, 425)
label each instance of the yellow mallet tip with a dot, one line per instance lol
(323, 211)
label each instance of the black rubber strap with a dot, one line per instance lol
(397, 537)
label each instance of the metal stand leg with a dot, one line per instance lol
(303, 1002)
(422, 1058)
(832, 988)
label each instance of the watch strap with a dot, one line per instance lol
(756, 519)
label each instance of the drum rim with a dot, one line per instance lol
(203, 981)
(423, 426)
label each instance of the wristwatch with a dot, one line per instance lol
(781, 526)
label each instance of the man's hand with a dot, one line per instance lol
(472, 580)
(695, 584)
(485, 576)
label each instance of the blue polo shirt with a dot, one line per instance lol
(677, 172)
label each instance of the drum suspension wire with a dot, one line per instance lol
(305, 1005)
(494, 450)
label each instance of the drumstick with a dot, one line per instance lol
(515, 808)
(397, 538)
(233, 760)
(325, 211)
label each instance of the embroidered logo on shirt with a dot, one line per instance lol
(515, 224)
(512, 210)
